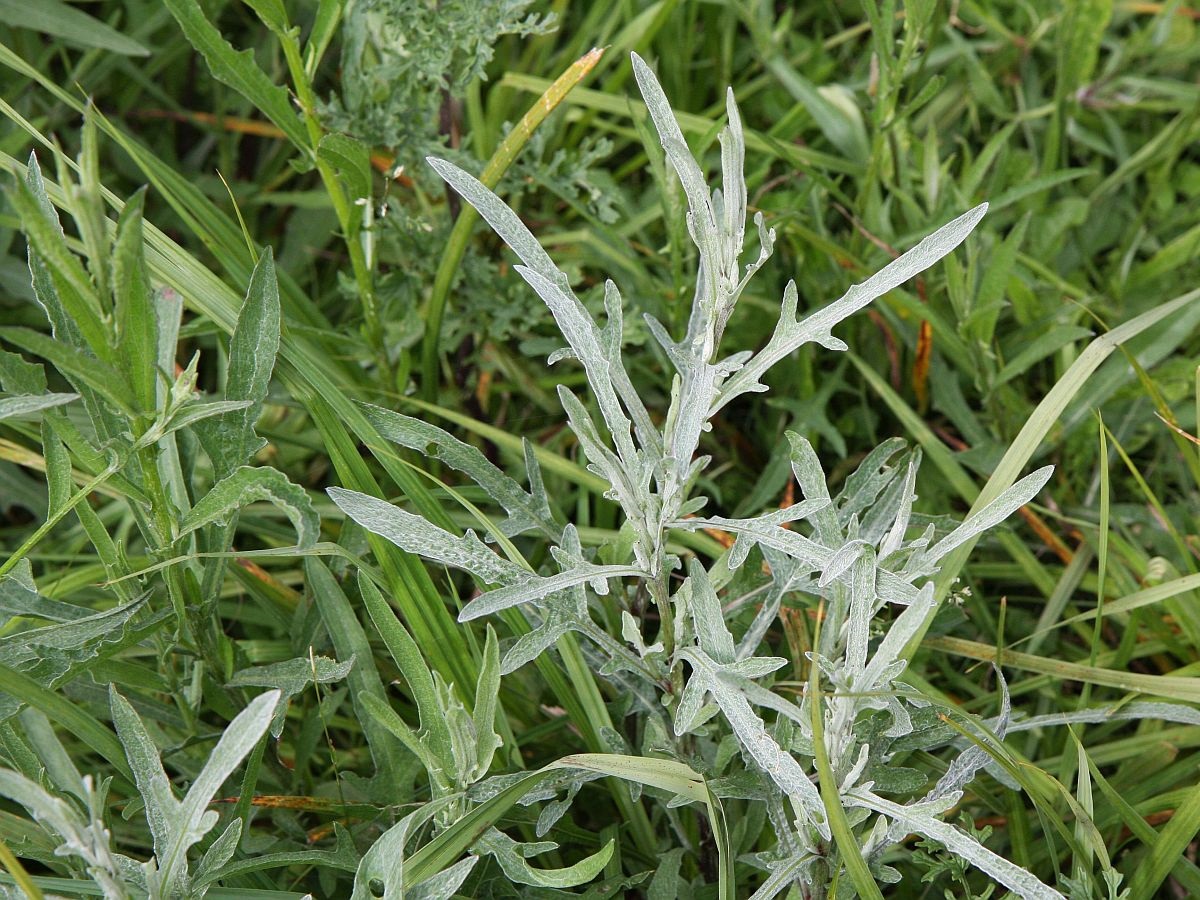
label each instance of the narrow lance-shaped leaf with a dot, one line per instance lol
(136, 313)
(992, 514)
(895, 536)
(238, 739)
(238, 70)
(711, 632)
(230, 440)
(535, 587)
(791, 334)
(525, 510)
(407, 656)
(806, 467)
(508, 225)
(247, 485)
(967, 763)
(61, 283)
(1012, 876)
(416, 535)
(487, 697)
(31, 403)
(17, 599)
(162, 808)
(775, 763)
(584, 338)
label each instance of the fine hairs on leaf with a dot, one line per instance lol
(177, 825)
(853, 552)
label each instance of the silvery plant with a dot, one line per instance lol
(816, 759)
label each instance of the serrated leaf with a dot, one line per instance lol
(1012, 876)
(238, 70)
(510, 856)
(416, 535)
(290, 678)
(525, 510)
(791, 333)
(248, 485)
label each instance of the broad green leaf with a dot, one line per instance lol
(248, 485)
(1082, 29)
(351, 159)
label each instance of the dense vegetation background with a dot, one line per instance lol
(301, 161)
